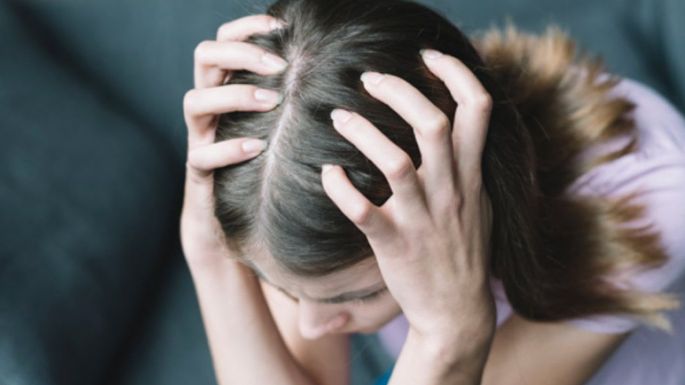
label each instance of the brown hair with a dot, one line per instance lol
(552, 251)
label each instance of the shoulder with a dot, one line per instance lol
(661, 126)
(657, 169)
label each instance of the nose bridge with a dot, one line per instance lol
(313, 317)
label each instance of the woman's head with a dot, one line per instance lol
(277, 217)
(273, 208)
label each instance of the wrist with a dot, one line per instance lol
(463, 333)
(444, 350)
(456, 344)
(225, 267)
(430, 359)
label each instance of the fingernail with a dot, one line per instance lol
(428, 53)
(253, 146)
(274, 61)
(275, 24)
(268, 95)
(373, 77)
(340, 116)
(326, 168)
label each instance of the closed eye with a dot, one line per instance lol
(361, 300)
(367, 298)
(371, 297)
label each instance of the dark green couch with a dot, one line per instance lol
(93, 285)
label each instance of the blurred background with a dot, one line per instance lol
(93, 285)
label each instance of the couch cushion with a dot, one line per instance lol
(139, 52)
(88, 200)
(170, 346)
(656, 27)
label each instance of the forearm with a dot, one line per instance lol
(244, 341)
(440, 361)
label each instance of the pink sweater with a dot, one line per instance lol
(647, 356)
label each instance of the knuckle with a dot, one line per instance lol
(399, 166)
(475, 186)
(456, 200)
(446, 207)
(200, 50)
(190, 162)
(190, 100)
(436, 125)
(482, 101)
(192, 171)
(193, 174)
(193, 159)
(443, 203)
(361, 214)
(221, 31)
(268, 21)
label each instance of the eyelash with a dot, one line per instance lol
(369, 298)
(357, 301)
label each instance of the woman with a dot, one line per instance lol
(461, 181)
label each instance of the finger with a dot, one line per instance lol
(369, 218)
(431, 128)
(241, 28)
(235, 30)
(472, 116)
(392, 161)
(203, 160)
(200, 107)
(214, 58)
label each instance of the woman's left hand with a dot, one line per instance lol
(431, 238)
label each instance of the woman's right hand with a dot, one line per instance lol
(201, 234)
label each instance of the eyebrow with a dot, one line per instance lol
(345, 297)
